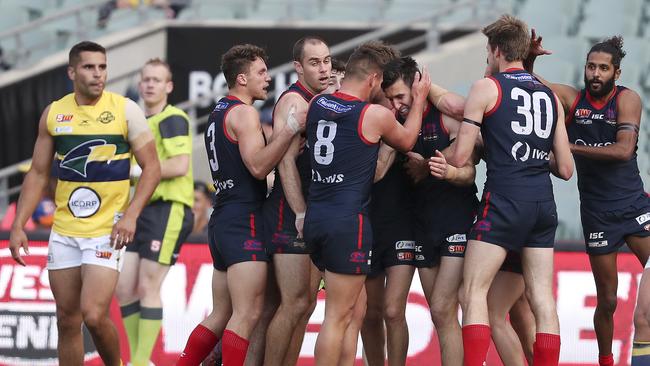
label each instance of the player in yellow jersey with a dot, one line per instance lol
(91, 133)
(164, 223)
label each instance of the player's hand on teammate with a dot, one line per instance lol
(421, 85)
(438, 166)
(296, 119)
(300, 224)
(536, 48)
(17, 240)
(123, 232)
(416, 166)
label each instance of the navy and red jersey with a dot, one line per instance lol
(342, 161)
(302, 161)
(392, 195)
(518, 136)
(434, 136)
(232, 180)
(603, 185)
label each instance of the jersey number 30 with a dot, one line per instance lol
(324, 148)
(533, 121)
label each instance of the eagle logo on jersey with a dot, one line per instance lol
(78, 158)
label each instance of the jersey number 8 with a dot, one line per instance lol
(324, 148)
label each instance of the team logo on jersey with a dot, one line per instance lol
(106, 117)
(583, 113)
(64, 117)
(84, 202)
(515, 151)
(78, 158)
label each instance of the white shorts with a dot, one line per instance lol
(68, 252)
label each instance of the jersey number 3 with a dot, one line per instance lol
(532, 121)
(324, 148)
(212, 155)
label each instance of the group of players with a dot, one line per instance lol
(373, 178)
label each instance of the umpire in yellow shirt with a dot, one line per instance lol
(164, 223)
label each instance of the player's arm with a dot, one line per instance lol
(627, 125)
(177, 143)
(438, 166)
(287, 167)
(447, 102)
(386, 127)
(566, 93)
(144, 149)
(33, 187)
(561, 162)
(481, 98)
(259, 158)
(385, 159)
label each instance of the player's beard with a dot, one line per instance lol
(605, 89)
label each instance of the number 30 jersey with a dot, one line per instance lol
(232, 180)
(518, 136)
(342, 161)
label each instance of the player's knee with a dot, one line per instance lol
(300, 306)
(68, 321)
(442, 311)
(607, 303)
(394, 313)
(93, 318)
(147, 290)
(641, 318)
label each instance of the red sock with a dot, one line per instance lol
(198, 346)
(476, 341)
(233, 349)
(546, 350)
(606, 360)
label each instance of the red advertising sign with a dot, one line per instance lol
(28, 334)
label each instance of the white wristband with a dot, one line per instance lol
(300, 215)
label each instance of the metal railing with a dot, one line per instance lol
(431, 38)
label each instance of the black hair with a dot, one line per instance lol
(403, 68)
(613, 46)
(85, 46)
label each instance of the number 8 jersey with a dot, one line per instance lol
(518, 136)
(342, 161)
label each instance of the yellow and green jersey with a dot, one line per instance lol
(93, 158)
(171, 130)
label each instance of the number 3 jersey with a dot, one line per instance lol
(518, 136)
(342, 161)
(232, 180)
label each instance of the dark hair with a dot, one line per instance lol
(85, 46)
(369, 57)
(237, 60)
(510, 35)
(338, 65)
(402, 68)
(613, 46)
(202, 187)
(299, 46)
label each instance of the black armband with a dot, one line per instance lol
(471, 122)
(627, 127)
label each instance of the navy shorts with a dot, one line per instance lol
(514, 224)
(236, 238)
(393, 244)
(512, 263)
(605, 231)
(441, 229)
(161, 230)
(341, 245)
(281, 236)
